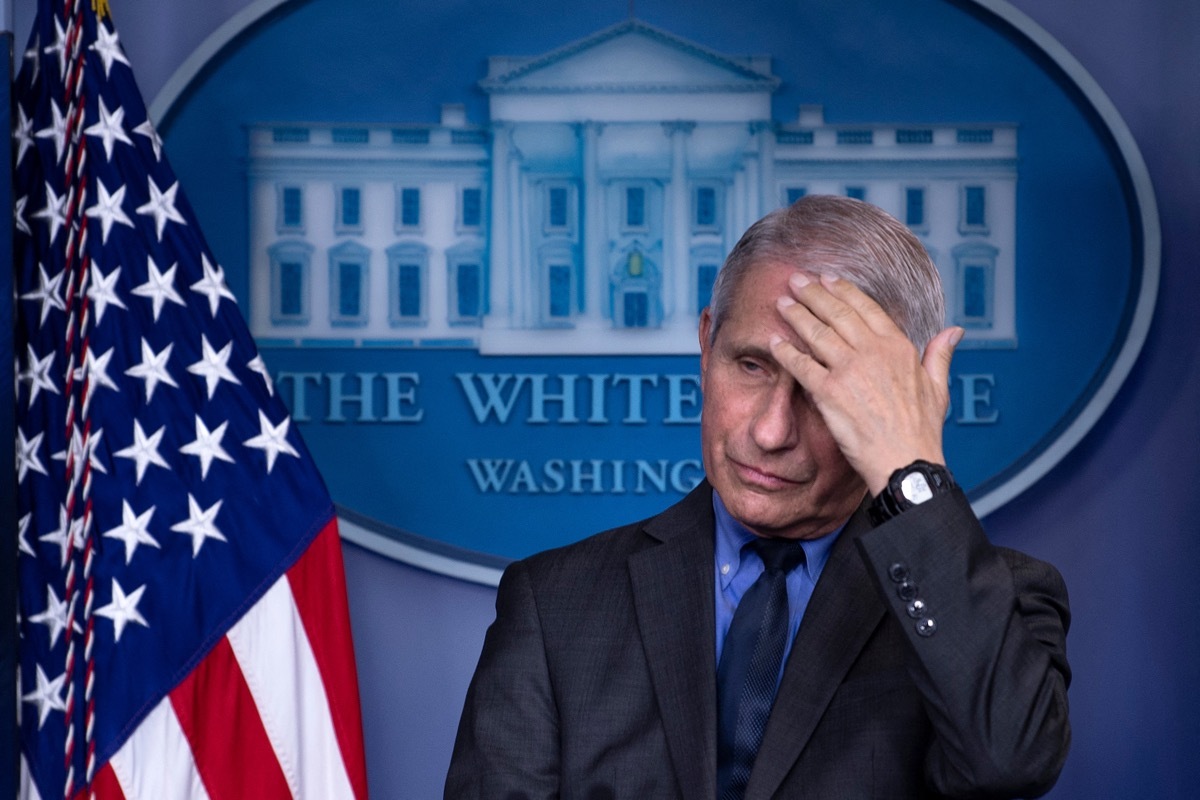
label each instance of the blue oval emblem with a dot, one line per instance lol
(474, 250)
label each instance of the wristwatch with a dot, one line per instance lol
(910, 486)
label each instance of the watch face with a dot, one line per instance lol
(915, 488)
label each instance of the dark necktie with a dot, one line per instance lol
(749, 667)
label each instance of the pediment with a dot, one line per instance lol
(629, 57)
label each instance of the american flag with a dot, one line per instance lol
(183, 620)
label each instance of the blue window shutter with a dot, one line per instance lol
(472, 207)
(291, 288)
(409, 276)
(560, 290)
(468, 289)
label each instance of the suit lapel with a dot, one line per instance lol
(672, 584)
(844, 610)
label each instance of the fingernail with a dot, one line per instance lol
(775, 339)
(785, 301)
(799, 280)
(829, 280)
(959, 333)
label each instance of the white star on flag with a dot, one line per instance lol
(161, 206)
(207, 446)
(69, 534)
(159, 287)
(101, 289)
(110, 128)
(55, 212)
(272, 440)
(19, 215)
(47, 696)
(59, 47)
(144, 450)
(54, 617)
(23, 134)
(147, 129)
(123, 609)
(27, 457)
(257, 364)
(212, 285)
(213, 366)
(133, 530)
(23, 545)
(153, 369)
(47, 292)
(199, 524)
(31, 55)
(95, 367)
(108, 48)
(77, 454)
(57, 131)
(108, 210)
(37, 374)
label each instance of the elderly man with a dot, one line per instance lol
(823, 617)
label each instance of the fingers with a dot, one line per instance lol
(939, 353)
(842, 305)
(833, 317)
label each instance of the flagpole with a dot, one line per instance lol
(8, 500)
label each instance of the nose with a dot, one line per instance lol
(776, 423)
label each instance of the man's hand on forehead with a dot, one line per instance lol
(883, 403)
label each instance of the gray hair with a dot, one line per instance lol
(849, 239)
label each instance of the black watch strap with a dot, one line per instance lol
(908, 487)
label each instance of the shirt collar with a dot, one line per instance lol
(732, 536)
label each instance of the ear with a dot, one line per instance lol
(704, 334)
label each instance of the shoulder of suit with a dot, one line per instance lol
(613, 546)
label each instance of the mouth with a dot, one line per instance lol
(763, 479)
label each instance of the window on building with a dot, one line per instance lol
(794, 193)
(291, 288)
(706, 276)
(637, 309)
(348, 283)
(856, 192)
(410, 207)
(974, 291)
(975, 269)
(349, 212)
(290, 262)
(557, 207)
(560, 291)
(472, 207)
(408, 290)
(635, 207)
(914, 207)
(974, 209)
(706, 207)
(291, 209)
(407, 266)
(349, 278)
(468, 284)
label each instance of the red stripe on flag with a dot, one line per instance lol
(105, 786)
(319, 588)
(229, 743)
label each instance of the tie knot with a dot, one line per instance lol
(779, 555)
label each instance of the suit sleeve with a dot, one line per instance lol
(986, 629)
(507, 743)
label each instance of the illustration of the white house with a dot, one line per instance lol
(592, 210)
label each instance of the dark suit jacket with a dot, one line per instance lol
(598, 678)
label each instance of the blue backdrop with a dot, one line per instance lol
(1117, 515)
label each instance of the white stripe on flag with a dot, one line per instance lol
(28, 789)
(156, 763)
(277, 662)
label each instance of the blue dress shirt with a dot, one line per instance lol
(738, 567)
